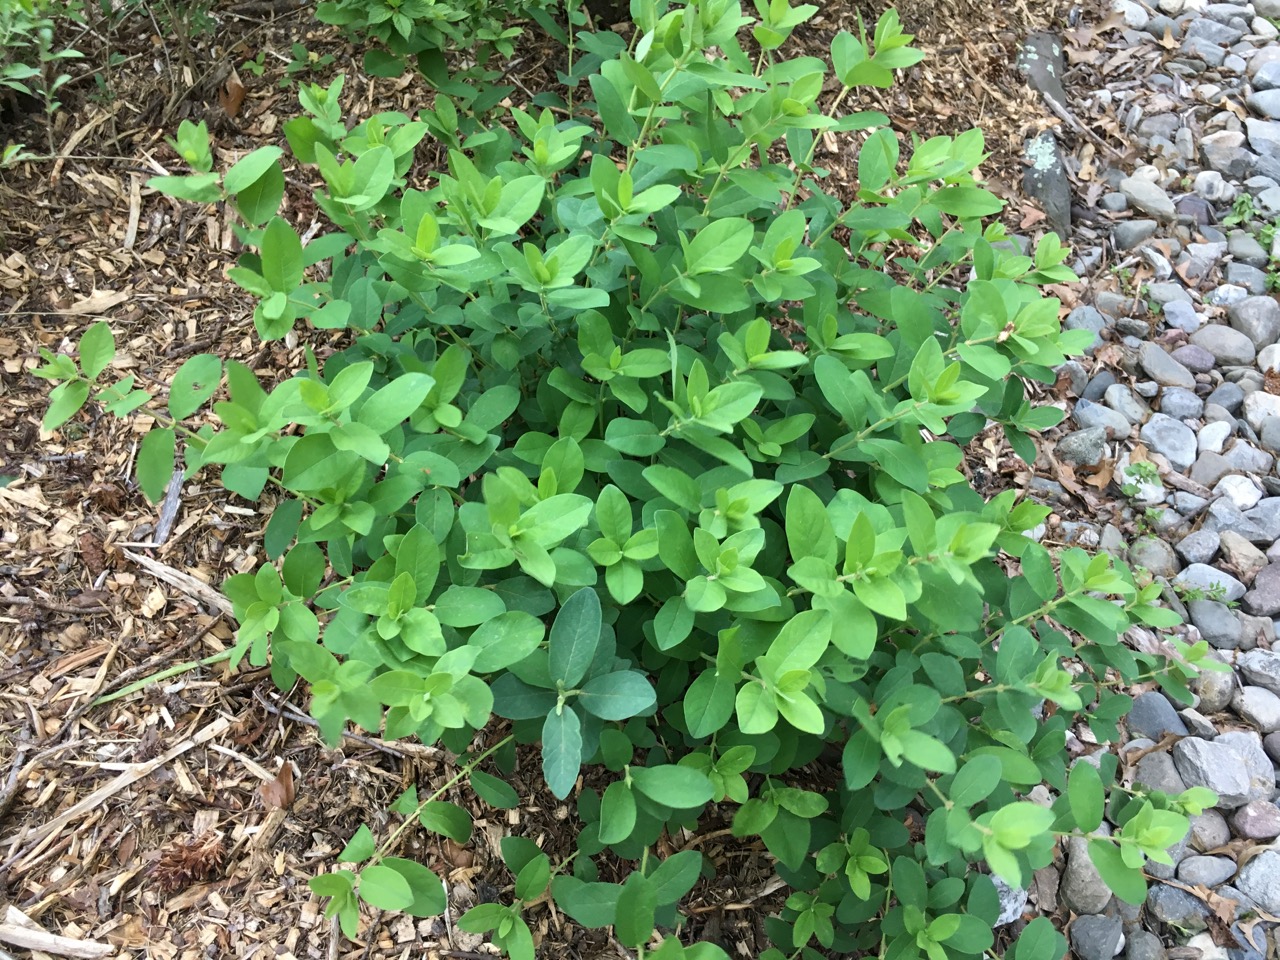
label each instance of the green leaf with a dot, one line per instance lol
(497, 793)
(877, 160)
(590, 904)
(533, 878)
(882, 596)
(617, 813)
(575, 635)
(708, 704)
(1038, 941)
(281, 256)
(359, 848)
(259, 201)
(246, 171)
(65, 401)
(756, 708)
(447, 819)
(975, 781)
(676, 876)
(553, 520)
(809, 530)
(97, 349)
(506, 639)
(561, 750)
(637, 904)
(155, 462)
(681, 788)
(635, 438)
(1086, 795)
(428, 892)
(966, 202)
(718, 246)
(385, 888)
(195, 382)
(200, 187)
(484, 917)
(467, 606)
(392, 404)
(617, 696)
(1018, 824)
(1125, 882)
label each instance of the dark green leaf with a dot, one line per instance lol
(682, 788)
(493, 791)
(637, 904)
(575, 634)
(447, 819)
(617, 696)
(561, 750)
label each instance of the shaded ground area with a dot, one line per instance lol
(162, 822)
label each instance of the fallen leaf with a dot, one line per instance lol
(1031, 216)
(97, 302)
(1235, 108)
(1167, 41)
(279, 793)
(231, 96)
(1101, 475)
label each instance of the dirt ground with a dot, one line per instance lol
(163, 823)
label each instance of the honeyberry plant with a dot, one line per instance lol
(644, 448)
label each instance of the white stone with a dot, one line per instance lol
(1210, 185)
(1264, 28)
(1258, 406)
(1258, 706)
(1171, 7)
(1134, 15)
(1269, 358)
(1208, 949)
(1242, 491)
(1213, 436)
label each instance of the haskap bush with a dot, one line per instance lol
(646, 448)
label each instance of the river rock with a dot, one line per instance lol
(1260, 880)
(1164, 369)
(1228, 346)
(1208, 763)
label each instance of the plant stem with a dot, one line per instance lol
(389, 844)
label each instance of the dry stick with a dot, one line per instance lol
(773, 886)
(11, 781)
(197, 589)
(53, 607)
(19, 930)
(168, 509)
(1069, 118)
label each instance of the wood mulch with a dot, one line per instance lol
(183, 819)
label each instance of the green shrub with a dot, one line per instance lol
(415, 33)
(29, 56)
(647, 446)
